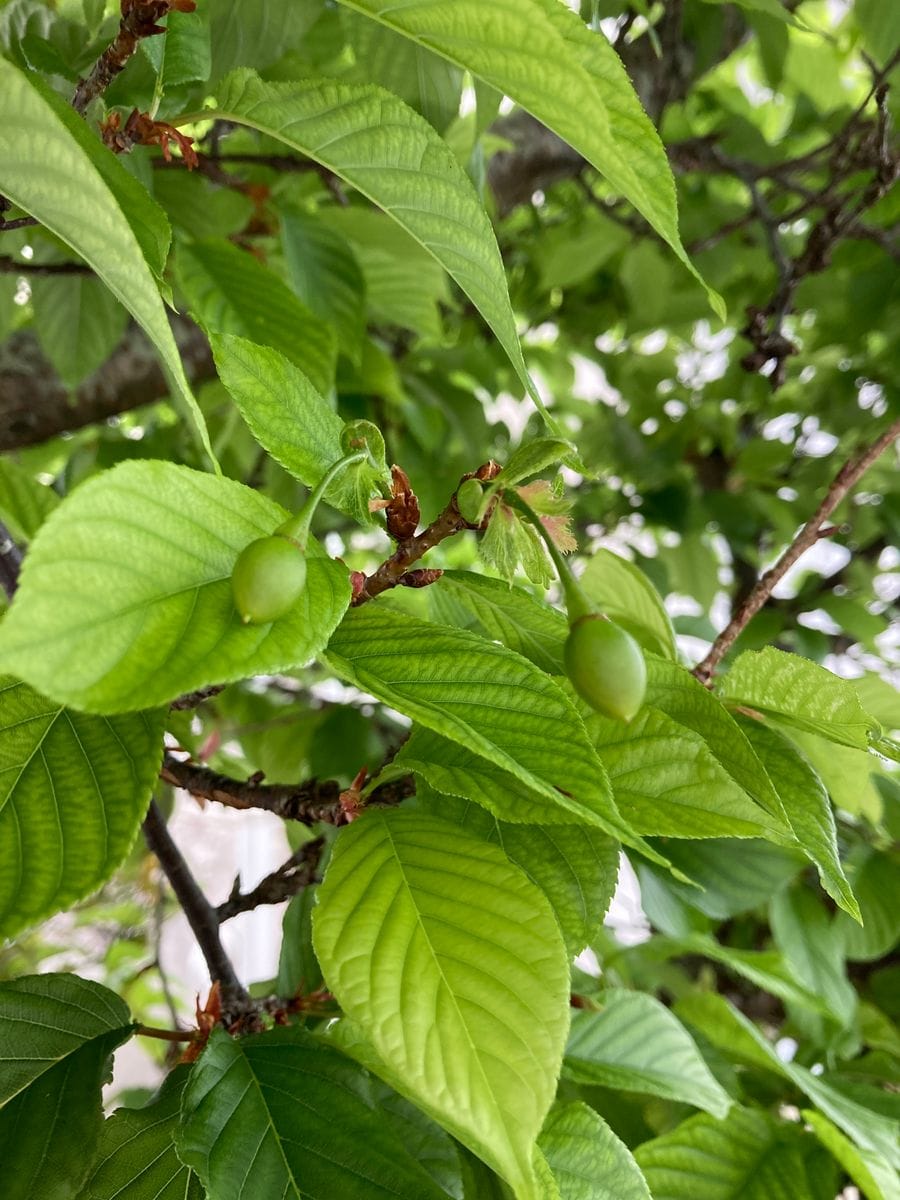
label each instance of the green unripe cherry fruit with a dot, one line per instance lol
(469, 496)
(268, 579)
(606, 666)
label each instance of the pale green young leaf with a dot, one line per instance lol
(57, 171)
(284, 1114)
(749, 1156)
(668, 782)
(183, 54)
(79, 323)
(800, 693)
(530, 458)
(576, 867)
(505, 614)
(136, 1155)
(125, 598)
(876, 1178)
(57, 1033)
(24, 502)
(635, 1044)
(588, 1161)
(543, 56)
(674, 690)
(624, 593)
(292, 421)
(393, 156)
(231, 292)
(325, 273)
(806, 806)
(73, 792)
(451, 962)
(493, 704)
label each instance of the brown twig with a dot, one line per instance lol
(300, 870)
(395, 571)
(139, 20)
(166, 1035)
(846, 478)
(201, 915)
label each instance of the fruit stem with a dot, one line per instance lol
(297, 527)
(577, 603)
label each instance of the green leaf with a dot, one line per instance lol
(749, 1156)
(800, 693)
(588, 1161)
(292, 421)
(805, 803)
(394, 157)
(502, 613)
(452, 963)
(404, 284)
(136, 1156)
(531, 458)
(24, 503)
(57, 1033)
(543, 56)
(125, 599)
(636, 1044)
(183, 54)
(624, 593)
(57, 171)
(491, 702)
(325, 274)
(575, 867)
(298, 968)
(876, 1179)
(804, 934)
(73, 792)
(230, 291)
(79, 322)
(674, 690)
(283, 1114)
(258, 32)
(877, 887)
(764, 968)
(668, 782)
(737, 1036)
(733, 876)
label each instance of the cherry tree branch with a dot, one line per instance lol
(10, 562)
(201, 915)
(849, 474)
(299, 872)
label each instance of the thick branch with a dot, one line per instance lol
(200, 913)
(300, 870)
(36, 405)
(307, 802)
(850, 473)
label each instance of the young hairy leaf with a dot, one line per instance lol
(576, 867)
(587, 1159)
(230, 291)
(57, 1033)
(73, 792)
(806, 806)
(136, 1156)
(543, 56)
(393, 156)
(625, 594)
(56, 170)
(293, 422)
(451, 962)
(125, 598)
(800, 693)
(636, 1044)
(484, 698)
(749, 1156)
(284, 1114)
